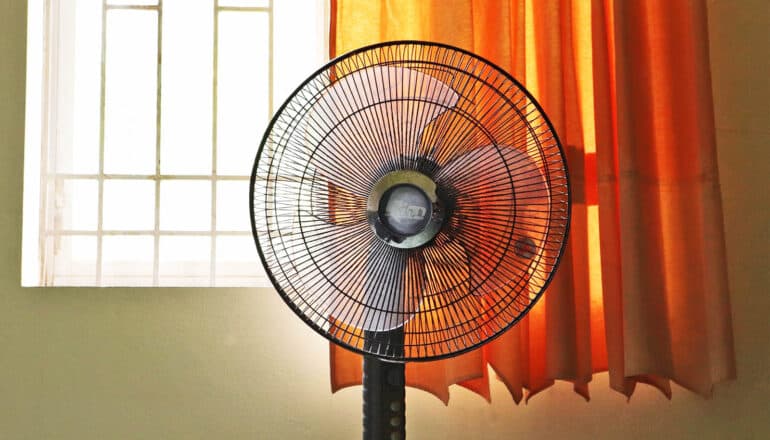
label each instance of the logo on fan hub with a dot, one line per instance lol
(403, 211)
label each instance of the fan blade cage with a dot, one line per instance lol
(452, 116)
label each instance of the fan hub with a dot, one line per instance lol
(404, 210)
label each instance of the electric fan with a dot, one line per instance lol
(409, 201)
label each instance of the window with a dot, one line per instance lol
(144, 117)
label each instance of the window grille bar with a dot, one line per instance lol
(158, 82)
(214, 116)
(135, 7)
(102, 95)
(245, 8)
(50, 64)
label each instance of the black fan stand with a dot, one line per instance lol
(384, 392)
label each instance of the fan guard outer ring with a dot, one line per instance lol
(398, 356)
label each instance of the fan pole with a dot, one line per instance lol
(384, 395)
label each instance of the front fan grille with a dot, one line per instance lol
(466, 125)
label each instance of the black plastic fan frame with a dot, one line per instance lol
(427, 163)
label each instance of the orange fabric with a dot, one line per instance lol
(627, 86)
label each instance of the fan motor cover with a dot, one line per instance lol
(410, 200)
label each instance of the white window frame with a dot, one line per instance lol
(41, 130)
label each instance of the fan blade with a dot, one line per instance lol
(392, 290)
(501, 216)
(381, 295)
(336, 205)
(447, 310)
(383, 109)
(447, 267)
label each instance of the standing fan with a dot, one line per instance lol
(410, 202)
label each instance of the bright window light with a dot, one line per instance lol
(143, 120)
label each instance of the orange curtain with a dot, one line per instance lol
(642, 290)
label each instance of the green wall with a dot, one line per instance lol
(225, 363)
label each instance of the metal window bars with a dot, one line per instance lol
(51, 231)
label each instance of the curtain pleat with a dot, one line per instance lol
(642, 289)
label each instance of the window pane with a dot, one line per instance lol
(74, 260)
(129, 205)
(242, 82)
(130, 92)
(297, 56)
(233, 206)
(79, 200)
(121, 127)
(238, 262)
(185, 205)
(186, 89)
(184, 261)
(79, 77)
(127, 260)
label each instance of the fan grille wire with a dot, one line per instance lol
(452, 116)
